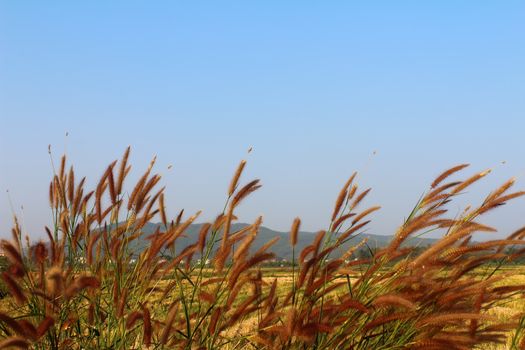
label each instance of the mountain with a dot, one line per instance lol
(281, 248)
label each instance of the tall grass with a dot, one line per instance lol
(86, 287)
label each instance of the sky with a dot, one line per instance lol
(398, 91)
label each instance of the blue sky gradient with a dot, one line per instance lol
(314, 87)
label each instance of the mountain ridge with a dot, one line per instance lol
(282, 247)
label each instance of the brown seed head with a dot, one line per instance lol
(447, 173)
(14, 342)
(295, 231)
(40, 253)
(123, 171)
(14, 288)
(133, 318)
(236, 177)
(147, 326)
(245, 191)
(470, 181)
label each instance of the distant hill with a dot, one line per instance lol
(282, 248)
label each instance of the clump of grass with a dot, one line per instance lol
(87, 288)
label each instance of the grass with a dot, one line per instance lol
(84, 288)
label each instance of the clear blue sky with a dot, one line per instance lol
(314, 87)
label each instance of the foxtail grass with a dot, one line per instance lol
(88, 286)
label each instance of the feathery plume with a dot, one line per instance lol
(447, 173)
(295, 231)
(236, 176)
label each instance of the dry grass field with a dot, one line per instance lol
(86, 288)
(513, 275)
(505, 311)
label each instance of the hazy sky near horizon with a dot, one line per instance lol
(314, 87)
